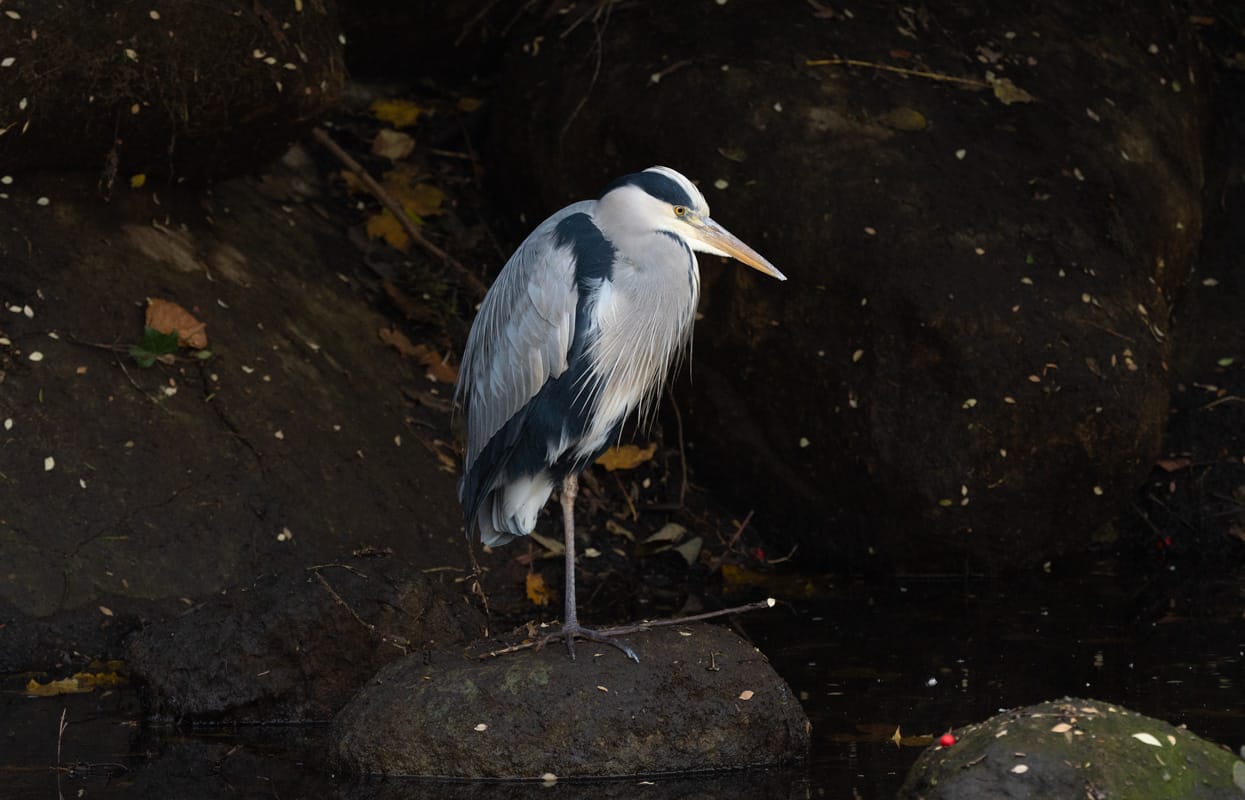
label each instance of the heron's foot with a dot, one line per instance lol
(572, 631)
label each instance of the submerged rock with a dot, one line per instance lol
(701, 698)
(1075, 748)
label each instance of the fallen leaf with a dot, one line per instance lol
(537, 591)
(400, 113)
(168, 317)
(78, 683)
(393, 145)
(469, 104)
(690, 550)
(137, 181)
(436, 366)
(670, 532)
(746, 694)
(618, 530)
(386, 226)
(1008, 92)
(1062, 727)
(1148, 739)
(627, 456)
(1174, 464)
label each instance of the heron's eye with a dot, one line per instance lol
(680, 211)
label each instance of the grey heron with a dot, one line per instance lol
(579, 330)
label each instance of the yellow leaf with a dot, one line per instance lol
(627, 456)
(78, 684)
(386, 226)
(137, 181)
(400, 113)
(422, 200)
(537, 591)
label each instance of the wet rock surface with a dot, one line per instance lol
(969, 362)
(293, 647)
(701, 698)
(1075, 748)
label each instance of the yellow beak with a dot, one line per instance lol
(715, 239)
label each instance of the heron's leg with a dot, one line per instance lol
(570, 619)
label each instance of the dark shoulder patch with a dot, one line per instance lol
(654, 183)
(593, 253)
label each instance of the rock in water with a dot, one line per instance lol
(1074, 748)
(701, 698)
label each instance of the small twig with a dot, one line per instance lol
(319, 567)
(678, 426)
(635, 515)
(60, 734)
(468, 278)
(638, 627)
(1228, 399)
(915, 73)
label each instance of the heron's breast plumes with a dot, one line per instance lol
(642, 326)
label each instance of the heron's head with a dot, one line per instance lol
(660, 199)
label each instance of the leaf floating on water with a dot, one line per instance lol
(537, 591)
(1147, 739)
(627, 456)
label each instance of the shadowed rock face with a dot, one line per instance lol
(701, 698)
(192, 89)
(968, 364)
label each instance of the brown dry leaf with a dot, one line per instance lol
(627, 456)
(1174, 464)
(1062, 727)
(537, 591)
(398, 341)
(168, 317)
(435, 366)
(469, 104)
(393, 145)
(400, 113)
(386, 226)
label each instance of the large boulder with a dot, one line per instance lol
(700, 699)
(984, 216)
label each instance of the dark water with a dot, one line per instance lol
(921, 655)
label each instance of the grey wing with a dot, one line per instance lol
(522, 334)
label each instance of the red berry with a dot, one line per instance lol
(946, 740)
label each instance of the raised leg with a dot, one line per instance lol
(570, 617)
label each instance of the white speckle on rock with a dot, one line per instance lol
(959, 154)
(1098, 491)
(36, 356)
(481, 728)
(721, 184)
(42, 201)
(49, 464)
(804, 441)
